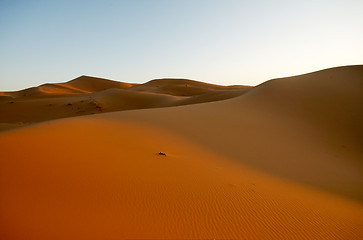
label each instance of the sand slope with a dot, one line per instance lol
(101, 179)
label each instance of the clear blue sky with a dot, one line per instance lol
(218, 41)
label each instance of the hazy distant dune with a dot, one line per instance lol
(178, 87)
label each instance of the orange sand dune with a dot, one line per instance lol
(89, 95)
(89, 178)
(281, 160)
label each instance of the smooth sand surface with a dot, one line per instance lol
(281, 160)
(102, 179)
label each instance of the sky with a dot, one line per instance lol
(225, 42)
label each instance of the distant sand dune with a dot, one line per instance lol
(82, 84)
(92, 84)
(180, 87)
(88, 95)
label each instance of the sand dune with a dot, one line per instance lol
(92, 84)
(82, 84)
(288, 127)
(180, 87)
(34, 110)
(329, 99)
(88, 95)
(281, 160)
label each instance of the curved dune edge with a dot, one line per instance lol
(90, 178)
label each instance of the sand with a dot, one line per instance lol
(281, 160)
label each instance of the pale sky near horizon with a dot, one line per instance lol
(224, 42)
